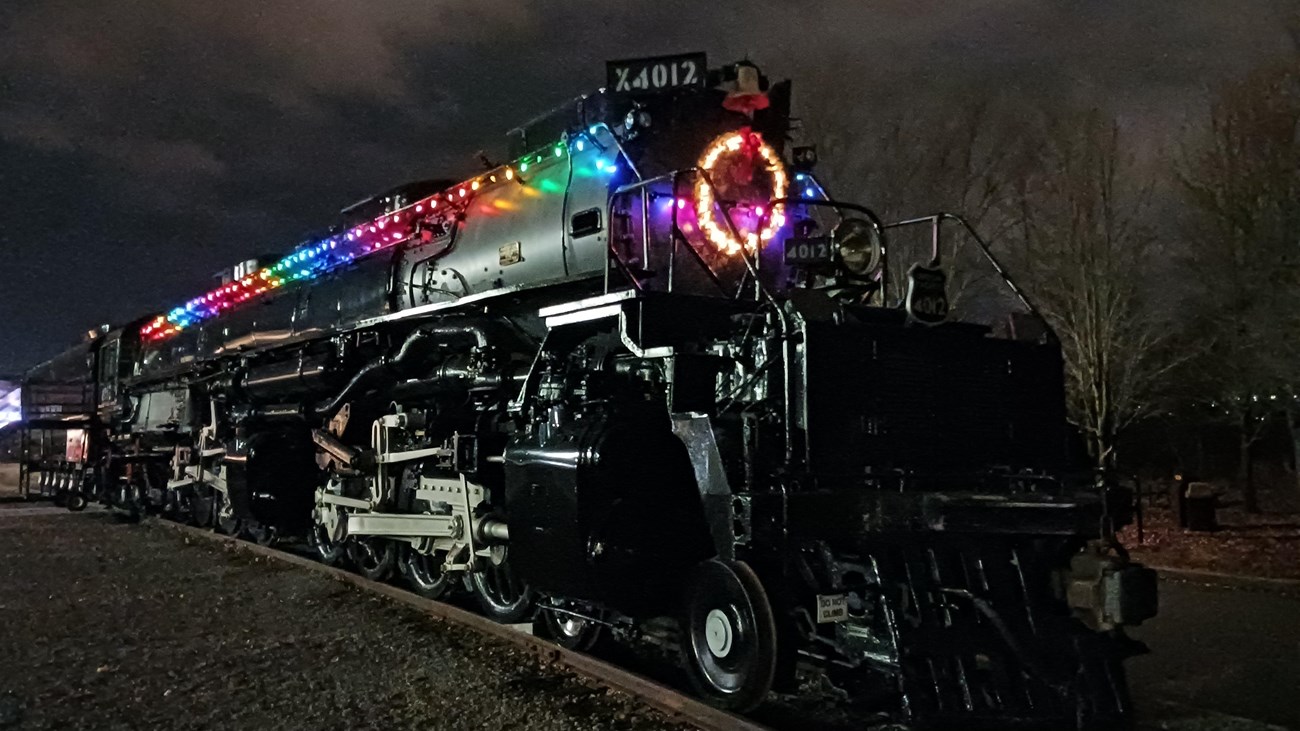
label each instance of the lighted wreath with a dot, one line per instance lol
(733, 162)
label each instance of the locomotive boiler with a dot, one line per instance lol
(650, 368)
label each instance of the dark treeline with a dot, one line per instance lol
(1172, 277)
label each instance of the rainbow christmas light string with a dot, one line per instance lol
(328, 254)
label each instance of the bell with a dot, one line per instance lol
(746, 98)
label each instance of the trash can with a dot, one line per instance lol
(1201, 504)
(1178, 500)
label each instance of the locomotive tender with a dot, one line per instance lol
(647, 369)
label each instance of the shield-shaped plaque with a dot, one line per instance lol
(927, 295)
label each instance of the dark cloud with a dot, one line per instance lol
(146, 143)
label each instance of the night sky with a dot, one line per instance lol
(145, 144)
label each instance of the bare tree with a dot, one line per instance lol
(1241, 178)
(1084, 251)
(1053, 198)
(931, 156)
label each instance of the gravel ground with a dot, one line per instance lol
(113, 626)
(108, 625)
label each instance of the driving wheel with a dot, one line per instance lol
(423, 572)
(373, 558)
(202, 509)
(569, 624)
(226, 521)
(76, 501)
(503, 594)
(326, 550)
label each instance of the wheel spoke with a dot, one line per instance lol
(511, 593)
(498, 584)
(520, 588)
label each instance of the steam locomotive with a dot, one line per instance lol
(648, 368)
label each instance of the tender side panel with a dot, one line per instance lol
(930, 401)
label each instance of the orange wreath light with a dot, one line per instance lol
(718, 233)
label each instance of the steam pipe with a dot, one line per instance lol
(413, 350)
(332, 446)
(413, 355)
(303, 374)
(374, 372)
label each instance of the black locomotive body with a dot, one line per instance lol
(594, 386)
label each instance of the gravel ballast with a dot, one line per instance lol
(118, 626)
(110, 625)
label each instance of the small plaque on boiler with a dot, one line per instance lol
(509, 254)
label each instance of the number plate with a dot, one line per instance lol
(815, 250)
(660, 73)
(832, 608)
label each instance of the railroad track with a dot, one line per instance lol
(669, 701)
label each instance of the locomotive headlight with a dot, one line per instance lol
(858, 246)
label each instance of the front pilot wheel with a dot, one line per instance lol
(728, 635)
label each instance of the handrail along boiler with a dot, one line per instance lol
(650, 368)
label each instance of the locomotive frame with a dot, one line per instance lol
(559, 386)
